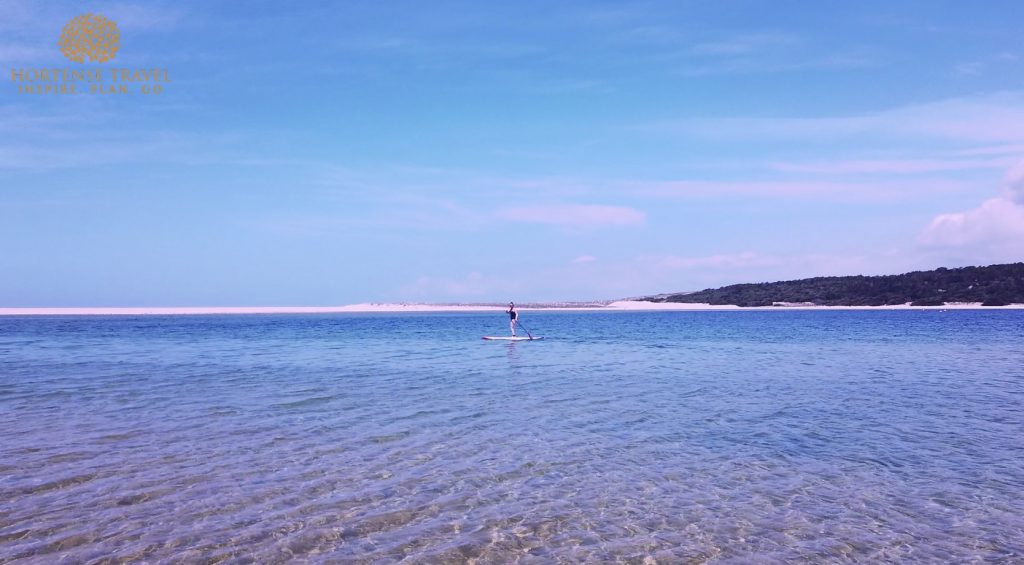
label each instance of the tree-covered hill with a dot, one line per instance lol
(994, 285)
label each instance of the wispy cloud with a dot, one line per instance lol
(973, 68)
(394, 213)
(751, 65)
(575, 215)
(33, 19)
(892, 166)
(653, 274)
(583, 259)
(859, 190)
(1014, 149)
(174, 147)
(726, 261)
(472, 286)
(149, 17)
(21, 54)
(735, 266)
(703, 52)
(766, 52)
(17, 15)
(746, 43)
(986, 119)
(993, 63)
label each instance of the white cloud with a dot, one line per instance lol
(992, 232)
(583, 259)
(1014, 184)
(996, 220)
(575, 215)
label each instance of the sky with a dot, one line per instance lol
(323, 153)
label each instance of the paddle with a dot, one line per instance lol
(520, 324)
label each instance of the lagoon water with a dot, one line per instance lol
(751, 436)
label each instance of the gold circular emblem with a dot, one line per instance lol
(92, 36)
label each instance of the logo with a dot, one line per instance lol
(92, 36)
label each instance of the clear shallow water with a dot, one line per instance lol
(673, 436)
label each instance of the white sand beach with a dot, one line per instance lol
(616, 306)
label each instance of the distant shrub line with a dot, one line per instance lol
(994, 285)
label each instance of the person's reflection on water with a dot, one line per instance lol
(513, 354)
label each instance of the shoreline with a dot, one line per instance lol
(368, 308)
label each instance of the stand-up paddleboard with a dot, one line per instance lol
(510, 338)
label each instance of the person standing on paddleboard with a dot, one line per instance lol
(512, 317)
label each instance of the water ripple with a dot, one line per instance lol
(653, 437)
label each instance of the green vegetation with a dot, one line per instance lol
(995, 285)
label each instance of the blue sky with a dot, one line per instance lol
(329, 153)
